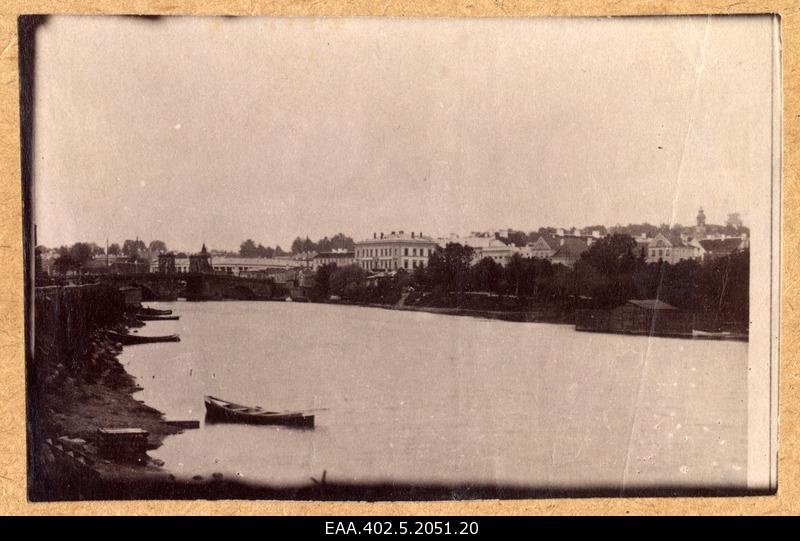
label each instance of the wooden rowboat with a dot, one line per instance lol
(145, 317)
(130, 339)
(218, 410)
(147, 311)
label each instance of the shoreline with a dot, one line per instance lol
(533, 316)
(74, 407)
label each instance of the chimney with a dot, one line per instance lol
(420, 234)
(412, 234)
(374, 235)
(392, 233)
(381, 234)
(401, 232)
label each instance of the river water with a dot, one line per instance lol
(412, 397)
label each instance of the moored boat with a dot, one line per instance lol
(147, 311)
(144, 317)
(722, 335)
(218, 410)
(131, 339)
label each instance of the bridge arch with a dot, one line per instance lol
(148, 295)
(241, 292)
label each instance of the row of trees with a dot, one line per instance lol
(340, 241)
(76, 256)
(607, 275)
(249, 248)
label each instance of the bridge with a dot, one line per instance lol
(198, 286)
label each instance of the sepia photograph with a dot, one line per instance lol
(400, 259)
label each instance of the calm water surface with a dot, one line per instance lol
(416, 397)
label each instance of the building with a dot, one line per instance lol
(543, 247)
(397, 250)
(496, 250)
(673, 249)
(716, 248)
(569, 251)
(238, 266)
(341, 258)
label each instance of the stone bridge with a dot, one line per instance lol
(213, 286)
(198, 286)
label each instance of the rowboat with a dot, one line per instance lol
(147, 311)
(707, 334)
(145, 317)
(723, 335)
(130, 339)
(218, 410)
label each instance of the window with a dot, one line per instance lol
(405, 262)
(414, 252)
(405, 251)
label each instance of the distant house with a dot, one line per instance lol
(543, 247)
(717, 248)
(646, 316)
(569, 251)
(496, 250)
(341, 258)
(673, 249)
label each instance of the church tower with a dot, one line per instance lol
(700, 230)
(200, 262)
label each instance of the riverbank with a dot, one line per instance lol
(478, 305)
(76, 387)
(72, 410)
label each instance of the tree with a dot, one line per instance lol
(517, 238)
(279, 252)
(450, 266)
(322, 285)
(264, 252)
(324, 245)
(612, 255)
(248, 249)
(348, 282)
(340, 241)
(158, 247)
(131, 248)
(114, 249)
(63, 263)
(486, 275)
(515, 271)
(81, 253)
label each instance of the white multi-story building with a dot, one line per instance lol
(397, 250)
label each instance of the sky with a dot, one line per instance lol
(215, 130)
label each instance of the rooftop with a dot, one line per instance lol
(652, 304)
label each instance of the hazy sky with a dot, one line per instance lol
(195, 130)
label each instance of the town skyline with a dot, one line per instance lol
(419, 125)
(355, 238)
